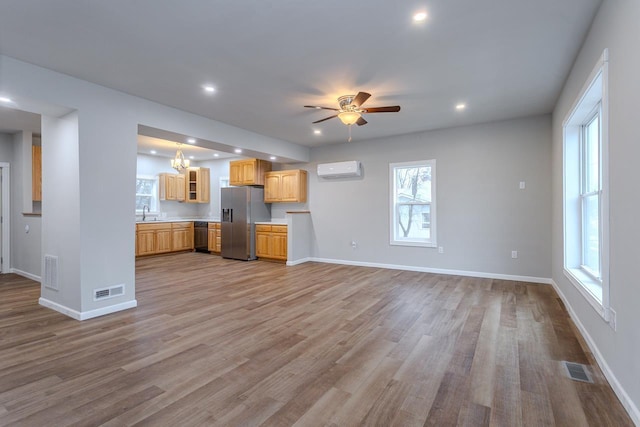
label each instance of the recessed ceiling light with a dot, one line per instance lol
(420, 16)
(461, 106)
(5, 99)
(238, 150)
(153, 152)
(209, 88)
(317, 132)
(216, 155)
(191, 141)
(191, 157)
(273, 157)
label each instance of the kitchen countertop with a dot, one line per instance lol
(155, 220)
(275, 221)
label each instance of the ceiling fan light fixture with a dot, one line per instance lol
(349, 117)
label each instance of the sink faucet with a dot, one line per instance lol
(144, 216)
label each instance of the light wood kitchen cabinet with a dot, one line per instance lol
(248, 172)
(167, 186)
(36, 173)
(181, 236)
(181, 187)
(271, 242)
(288, 186)
(145, 242)
(172, 186)
(215, 241)
(153, 238)
(163, 237)
(198, 185)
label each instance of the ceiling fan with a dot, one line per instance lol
(351, 111)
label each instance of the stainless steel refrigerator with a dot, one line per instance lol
(241, 208)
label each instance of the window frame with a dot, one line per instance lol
(393, 206)
(586, 193)
(155, 197)
(591, 103)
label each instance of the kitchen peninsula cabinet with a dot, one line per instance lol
(198, 184)
(215, 241)
(248, 172)
(271, 242)
(288, 186)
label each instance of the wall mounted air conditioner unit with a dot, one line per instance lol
(340, 169)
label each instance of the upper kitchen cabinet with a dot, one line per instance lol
(288, 186)
(198, 185)
(248, 172)
(36, 173)
(172, 186)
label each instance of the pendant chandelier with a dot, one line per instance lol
(178, 162)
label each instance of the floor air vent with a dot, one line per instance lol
(111, 292)
(51, 272)
(577, 372)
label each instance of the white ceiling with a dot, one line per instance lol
(503, 58)
(12, 121)
(165, 148)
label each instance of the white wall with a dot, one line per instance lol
(481, 212)
(25, 246)
(61, 218)
(152, 165)
(99, 188)
(217, 169)
(616, 28)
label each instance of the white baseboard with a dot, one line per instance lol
(532, 279)
(25, 274)
(626, 401)
(85, 315)
(299, 261)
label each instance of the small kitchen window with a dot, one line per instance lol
(146, 193)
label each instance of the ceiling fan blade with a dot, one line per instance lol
(390, 109)
(322, 120)
(360, 99)
(361, 121)
(321, 108)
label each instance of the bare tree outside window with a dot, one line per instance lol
(412, 202)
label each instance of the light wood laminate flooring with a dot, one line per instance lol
(221, 342)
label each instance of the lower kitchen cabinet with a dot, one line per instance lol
(271, 242)
(163, 237)
(215, 242)
(181, 236)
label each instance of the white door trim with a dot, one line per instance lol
(6, 217)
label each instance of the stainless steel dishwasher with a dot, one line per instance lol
(201, 236)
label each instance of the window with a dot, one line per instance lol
(146, 193)
(413, 203)
(585, 198)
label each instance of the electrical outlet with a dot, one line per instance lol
(522, 185)
(612, 319)
(440, 250)
(514, 254)
(354, 244)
